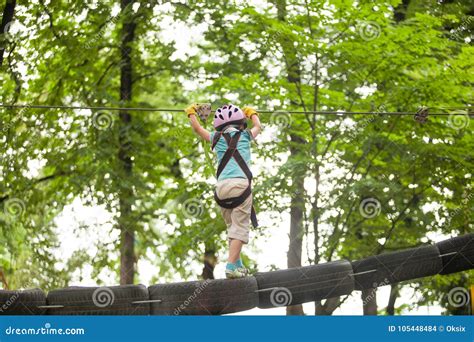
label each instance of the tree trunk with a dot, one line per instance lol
(125, 221)
(369, 300)
(3, 280)
(315, 213)
(400, 11)
(210, 261)
(8, 12)
(394, 292)
(314, 151)
(297, 199)
(296, 229)
(328, 308)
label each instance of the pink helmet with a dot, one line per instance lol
(226, 115)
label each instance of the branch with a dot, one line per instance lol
(7, 17)
(38, 181)
(3, 279)
(14, 75)
(140, 77)
(51, 20)
(400, 215)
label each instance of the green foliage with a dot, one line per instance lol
(333, 55)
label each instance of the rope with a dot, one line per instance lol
(174, 110)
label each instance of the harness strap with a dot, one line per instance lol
(232, 202)
(215, 139)
(253, 217)
(233, 152)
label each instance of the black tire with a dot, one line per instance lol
(113, 300)
(304, 284)
(457, 254)
(208, 297)
(22, 302)
(390, 268)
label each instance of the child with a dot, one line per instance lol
(231, 141)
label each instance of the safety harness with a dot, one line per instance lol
(233, 152)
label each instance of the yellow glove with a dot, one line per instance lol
(191, 110)
(249, 111)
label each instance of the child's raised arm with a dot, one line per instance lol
(252, 114)
(202, 132)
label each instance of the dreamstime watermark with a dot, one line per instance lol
(373, 293)
(22, 112)
(10, 32)
(192, 208)
(14, 207)
(103, 297)
(370, 207)
(10, 301)
(467, 196)
(384, 282)
(102, 120)
(99, 36)
(466, 22)
(281, 118)
(7, 304)
(281, 296)
(46, 330)
(269, 43)
(368, 30)
(191, 297)
(458, 121)
(458, 297)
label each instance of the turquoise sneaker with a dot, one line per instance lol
(236, 273)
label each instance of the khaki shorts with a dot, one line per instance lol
(236, 219)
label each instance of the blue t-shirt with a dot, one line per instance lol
(232, 169)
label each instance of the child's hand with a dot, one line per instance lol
(252, 114)
(249, 111)
(191, 110)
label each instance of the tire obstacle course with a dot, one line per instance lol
(264, 290)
